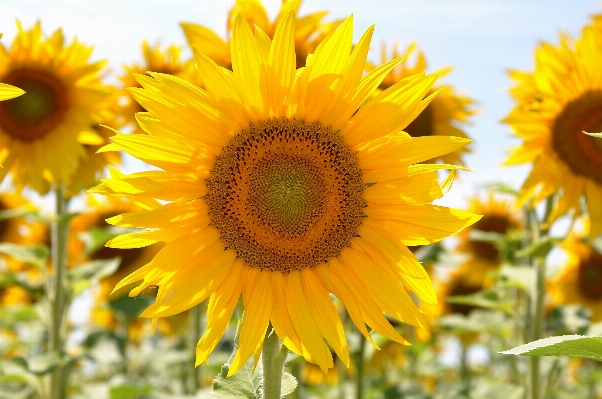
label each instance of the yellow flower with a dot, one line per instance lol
(390, 356)
(39, 130)
(555, 103)
(281, 190)
(579, 282)
(310, 30)
(167, 61)
(313, 375)
(498, 217)
(444, 116)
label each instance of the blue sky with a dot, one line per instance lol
(480, 39)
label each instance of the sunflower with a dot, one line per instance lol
(444, 116)
(92, 139)
(580, 280)
(168, 61)
(16, 228)
(280, 190)
(499, 218)
(63, 93)
(310, 30)
(555, 103)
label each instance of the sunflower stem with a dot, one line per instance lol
(540, 295)
(195, 332)
(273, 356)
(360, 369)
(59, 244)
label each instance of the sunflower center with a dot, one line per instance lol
(489, 224)
(590, 276)
(286, 195)
(462, 288)
(581, 153)
(35, 113)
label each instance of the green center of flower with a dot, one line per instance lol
(286, 195)
(580, 152)
(35, 113)
(589, 277)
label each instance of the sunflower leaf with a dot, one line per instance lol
(289, 384)
(565, 345)
(541, 248)
(245, 384)
(36, 255)
(488, 299)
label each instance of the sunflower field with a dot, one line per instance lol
(241, 199)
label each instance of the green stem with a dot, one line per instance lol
(360, 369)
(195, 333)
(540, 296)
(464, 373)
(551, 379)
(59, 244)
(273, 356)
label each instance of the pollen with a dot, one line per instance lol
(581, 153)
(35, 113)
(286, 195)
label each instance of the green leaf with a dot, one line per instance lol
(245, 384)
(429, 253)
(36, 255)
(522, 277)
(128, 391)
(488, 299)
(94, 271)
(131, 306)
(96, 238)
(541, 248)
(15, 213)
(565, 345)
(289, 384)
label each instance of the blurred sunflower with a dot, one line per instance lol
(16, 228)
(555, 103)
(93, 138)
(63, 93)
(444, 116)
(580, 280)
(391, 356)
(313, 375)
(167, 61)
(283, 191)
(499, 218)
(310, 30)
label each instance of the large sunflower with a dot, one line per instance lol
(444, 116)
(282, 190)
(63, 93)
(168, 61)
(498, 217)
(579, 282)
(310, 30)
(555, 103)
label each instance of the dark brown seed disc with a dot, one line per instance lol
(34, 114)
(286, 195)
(489, 224)
(580, 152)
(590, 276)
